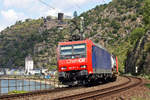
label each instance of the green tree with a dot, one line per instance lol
(75, 14)
(115, 25)
(99, 20)
(146, 13)
(18, 22)
(136, 34)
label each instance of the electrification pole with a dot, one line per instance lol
(81, 27)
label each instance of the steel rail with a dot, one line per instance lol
(103, 92)
(111, 92)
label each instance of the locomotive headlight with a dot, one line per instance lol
(83, 66)
(63, 68)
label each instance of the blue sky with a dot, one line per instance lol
(13, 10)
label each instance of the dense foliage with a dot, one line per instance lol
(146, 13)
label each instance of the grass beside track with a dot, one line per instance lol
(17, 92)
(147, 85)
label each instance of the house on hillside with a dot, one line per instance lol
(28, 64)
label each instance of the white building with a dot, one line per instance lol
(28, 64)
(35, 71)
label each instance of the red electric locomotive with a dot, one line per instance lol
(81, 62)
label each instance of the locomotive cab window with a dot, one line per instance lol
(66, 50)
(72, 51)
(79, 48)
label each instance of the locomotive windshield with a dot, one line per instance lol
(66, 50)
(79, 48)
(72, 51)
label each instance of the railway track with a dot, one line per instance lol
(132, 82)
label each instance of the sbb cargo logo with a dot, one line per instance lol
(81, 60)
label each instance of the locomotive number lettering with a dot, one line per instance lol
(75, 60)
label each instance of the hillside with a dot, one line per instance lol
(112, 26)
(16, 42)
(138, 57)
(118, 26)
(36, 37)
(121, 27)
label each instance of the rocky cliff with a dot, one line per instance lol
(140, 56)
